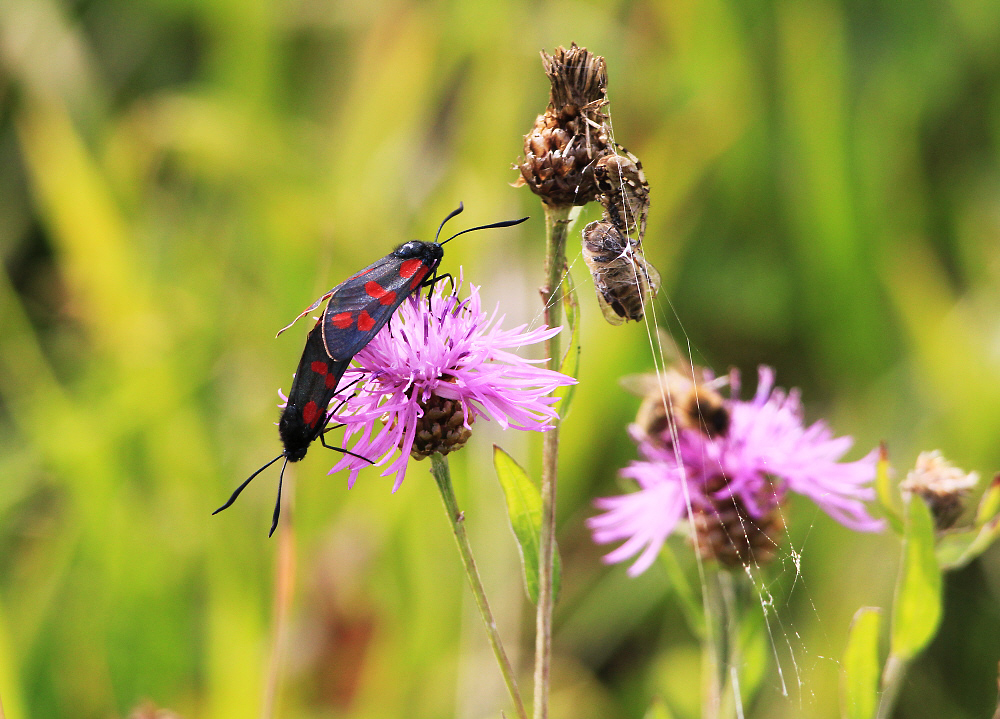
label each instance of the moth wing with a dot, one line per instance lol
(315, 305)
(315, 384)
(360, 306)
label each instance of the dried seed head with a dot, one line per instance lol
(942, 485)
(441, 428)
(728, 533)
(579, 80)
(560, 150)
(624, 281)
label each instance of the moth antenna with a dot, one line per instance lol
(244, 485)
(277, 503)
(505, 223)
(452, 214)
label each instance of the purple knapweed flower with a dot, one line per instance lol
(440, 364)
(762, 452)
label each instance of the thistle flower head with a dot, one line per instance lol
(428, 375)
(736, 480)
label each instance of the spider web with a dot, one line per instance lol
(763, 581)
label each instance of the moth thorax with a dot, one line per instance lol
(441, 429)
(728, 533)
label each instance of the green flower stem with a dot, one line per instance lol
(442, 475)
(556, 227)
(721, 645)
(892, 679)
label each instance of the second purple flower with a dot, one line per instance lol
(730, 470)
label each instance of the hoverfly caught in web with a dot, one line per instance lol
(624, 281)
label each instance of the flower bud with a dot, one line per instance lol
(941, 485)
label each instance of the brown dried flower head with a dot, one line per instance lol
(942, 485)
(567, 139)
(728, 533)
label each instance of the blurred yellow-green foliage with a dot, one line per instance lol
(178, 178)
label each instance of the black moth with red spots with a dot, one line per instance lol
(304, 417)
(359, 307)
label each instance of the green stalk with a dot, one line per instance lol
(892, 680)
(442, 475)
(556, 227)
(721, 650)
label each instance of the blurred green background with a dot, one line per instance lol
(178, 178)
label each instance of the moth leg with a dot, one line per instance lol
(322, 435)
(339, 405)
(322, 439)
(438, 278)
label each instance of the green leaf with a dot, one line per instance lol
(524, 509)
(888, 496)
(917, 605)
(989, 504)
(952, 548)
(859, 673)
(570, 364)
(955, 550)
